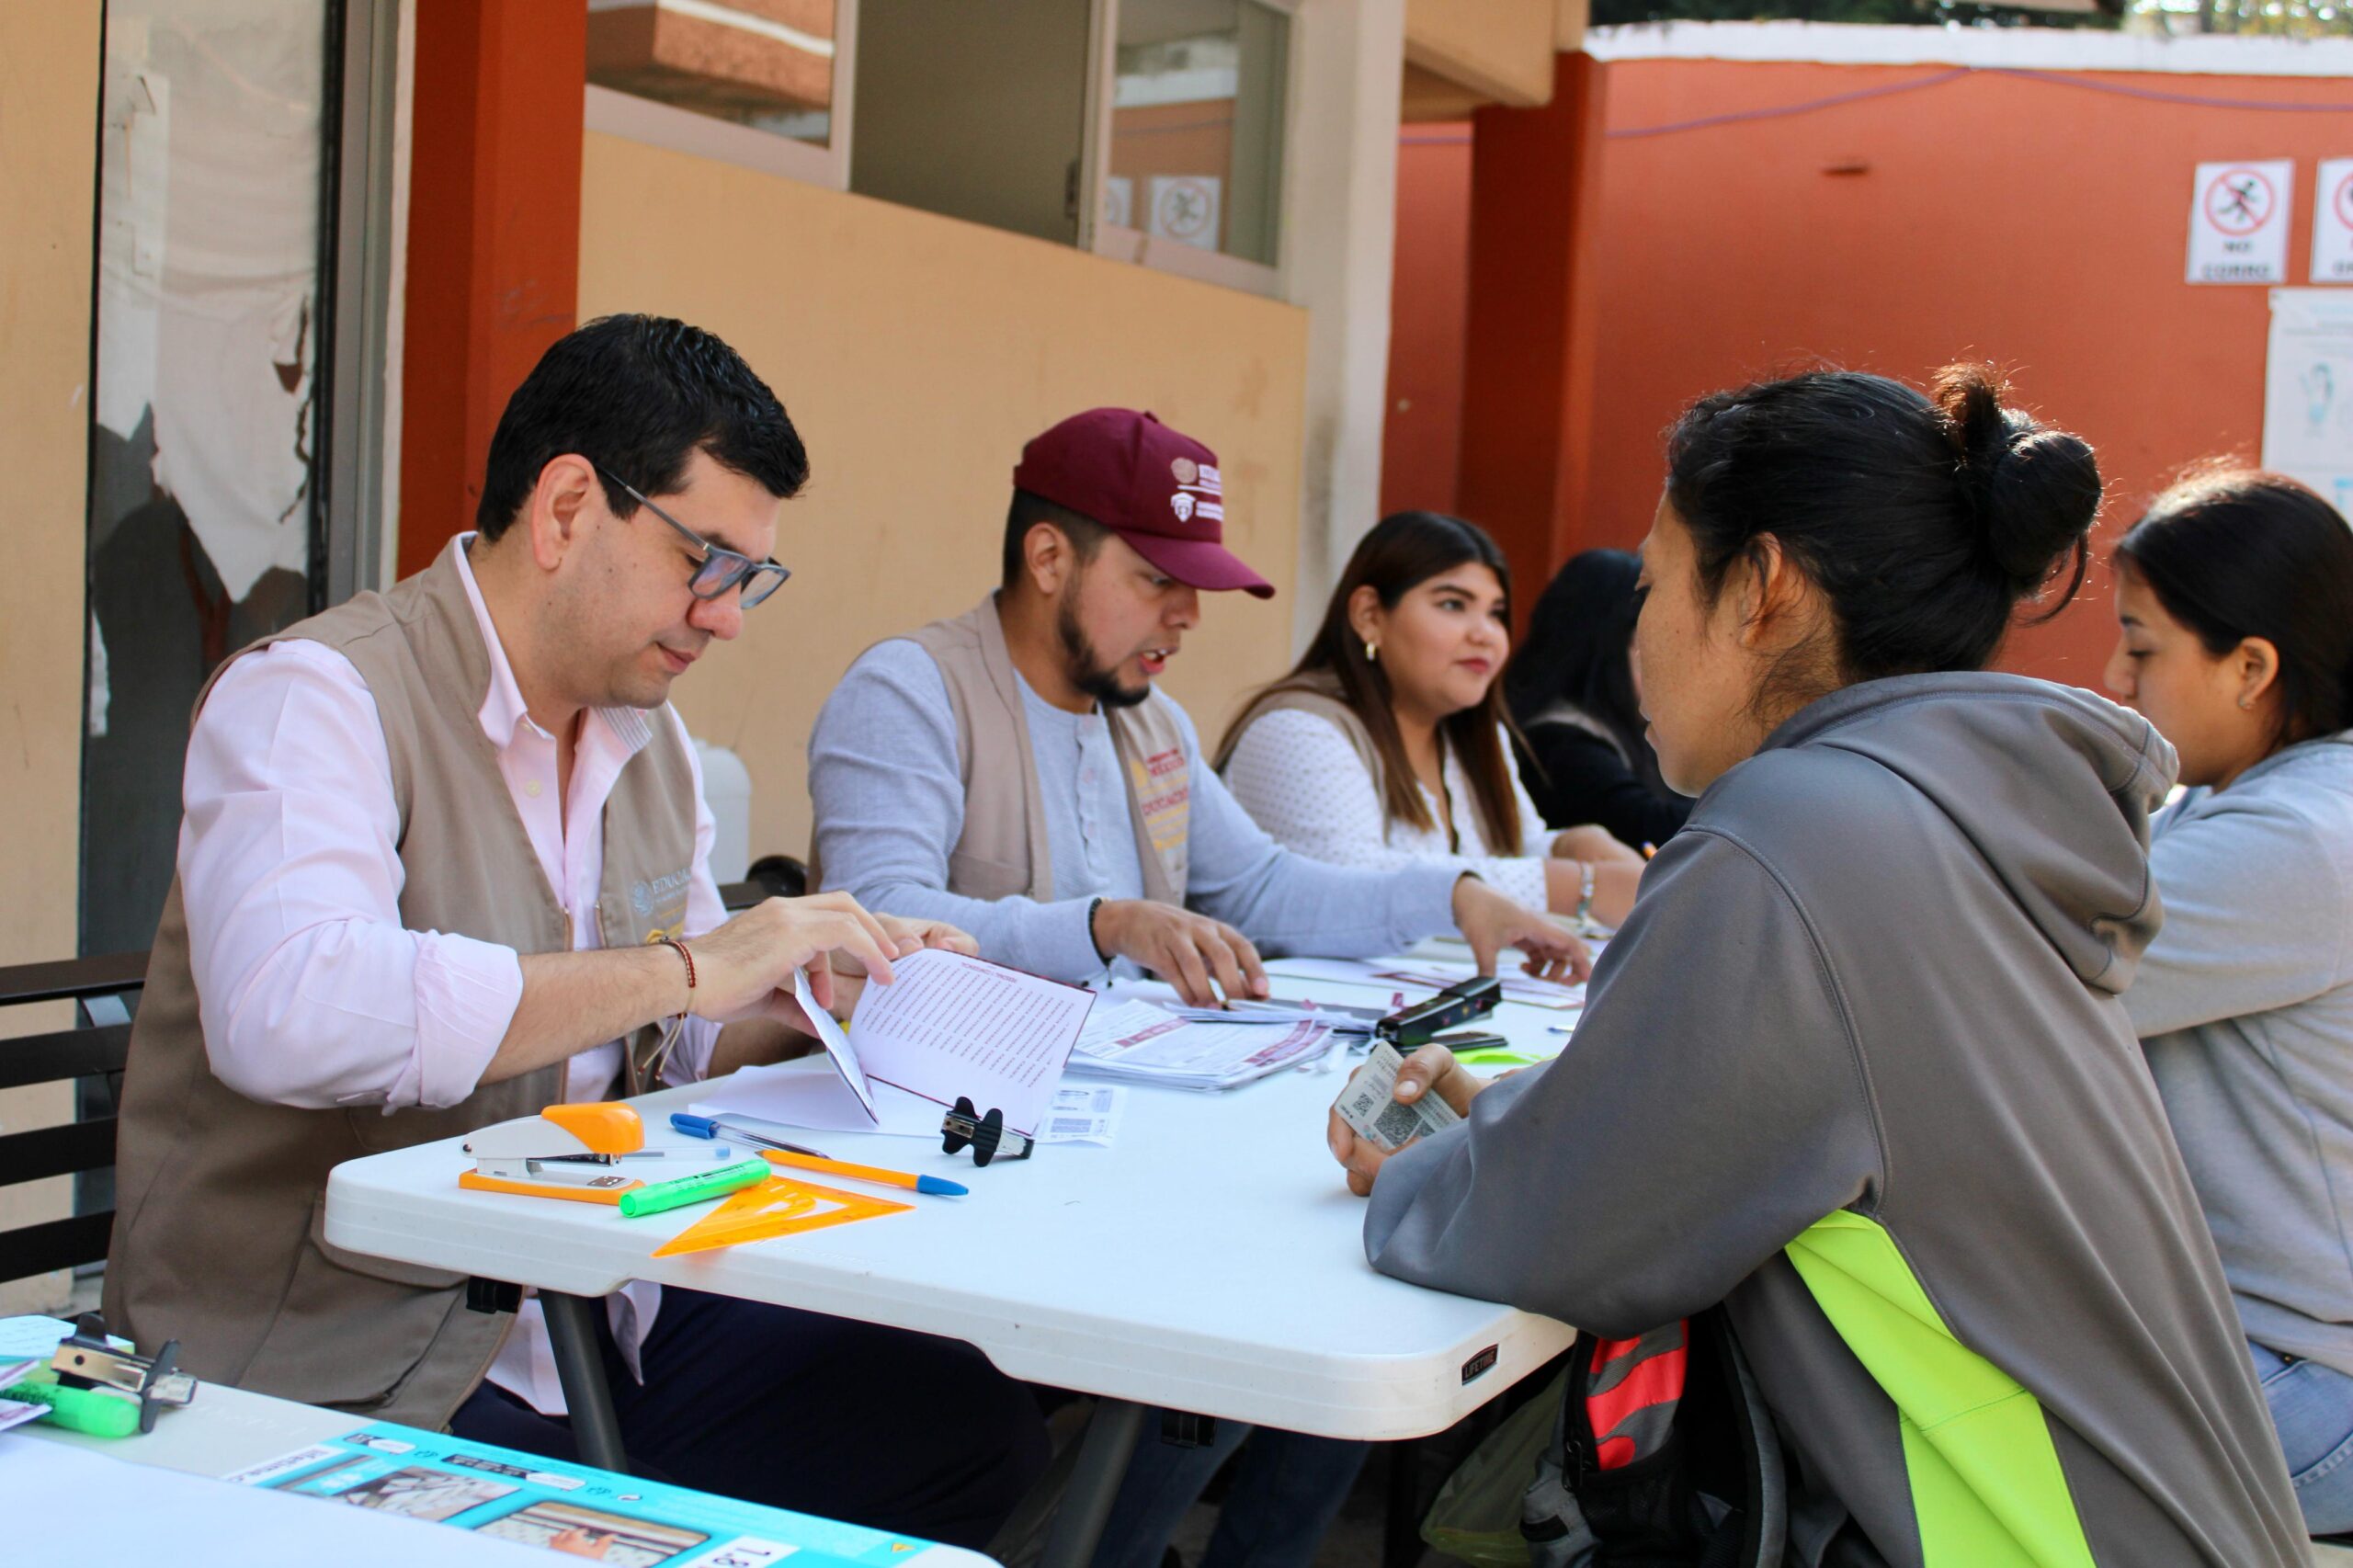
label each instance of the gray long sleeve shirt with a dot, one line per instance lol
(2245, 1004)
(889, 806)
(1875, 982)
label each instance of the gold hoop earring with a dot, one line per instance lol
(1371, 652)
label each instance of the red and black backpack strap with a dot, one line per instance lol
(1665, 1457)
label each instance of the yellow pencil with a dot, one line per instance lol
(865, 1173)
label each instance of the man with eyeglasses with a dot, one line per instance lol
(444, 862)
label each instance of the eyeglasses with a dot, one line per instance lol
(721, 568)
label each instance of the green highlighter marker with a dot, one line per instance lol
(638, 1202)
(89, 1410)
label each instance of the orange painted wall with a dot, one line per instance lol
(1422, 437)
(2038, 225)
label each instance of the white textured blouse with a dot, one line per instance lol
(1299, 777)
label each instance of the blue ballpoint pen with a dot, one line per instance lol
(729, 1124)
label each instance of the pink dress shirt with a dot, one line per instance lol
(311, 991)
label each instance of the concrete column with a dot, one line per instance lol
(1341, 201)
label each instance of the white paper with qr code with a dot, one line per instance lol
(1369, 1106)
(1083, 1114)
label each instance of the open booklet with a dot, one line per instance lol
(947, 1026)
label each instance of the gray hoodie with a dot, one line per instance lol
(1856, 1066)
(2245, 1004)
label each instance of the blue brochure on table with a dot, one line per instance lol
(571, 1509)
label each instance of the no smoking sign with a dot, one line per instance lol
(2238, 222)
(2333, 222)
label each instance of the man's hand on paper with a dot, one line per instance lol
(912, 935)
(1430, 1069)
(1490, 921)
(1186, 949)
(744, 969)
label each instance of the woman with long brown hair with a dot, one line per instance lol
(1389, 742)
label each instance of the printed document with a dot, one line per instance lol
(1517, 987)
(947, 1026)
(1141, 1041)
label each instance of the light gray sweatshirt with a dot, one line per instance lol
(2244, 1005)
(1856, 1068)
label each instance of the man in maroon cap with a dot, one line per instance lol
(1013, 770)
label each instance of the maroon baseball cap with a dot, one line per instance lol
(1159, 491)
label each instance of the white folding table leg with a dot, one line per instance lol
(1108, 1445)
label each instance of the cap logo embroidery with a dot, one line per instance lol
(1182, 504)
(1184, 469)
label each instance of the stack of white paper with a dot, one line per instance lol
(1342, 1020)
(1142, 1042)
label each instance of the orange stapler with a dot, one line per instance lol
(566, 1151)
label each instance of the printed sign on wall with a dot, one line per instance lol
(2308, 391)
(2333, 222)
(2238, 222)
(1185, 207)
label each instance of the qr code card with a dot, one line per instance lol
(1367, 1106)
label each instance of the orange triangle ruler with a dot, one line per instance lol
(779, 1206)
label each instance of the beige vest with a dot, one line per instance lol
(218, 1235)
(1003, 852)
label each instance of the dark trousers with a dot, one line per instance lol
(1286, 1491)
(879, 1426)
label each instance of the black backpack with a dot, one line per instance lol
(1664, 1456)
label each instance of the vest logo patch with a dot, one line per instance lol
(1165, 796)
(661, 903)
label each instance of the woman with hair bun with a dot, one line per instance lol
(1858, 1066)
(2234, 591)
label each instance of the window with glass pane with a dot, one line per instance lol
(203, 526)
(764, 64)
(1197, 124)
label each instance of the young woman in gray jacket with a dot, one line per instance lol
(1857, 1067)
(2235, 596)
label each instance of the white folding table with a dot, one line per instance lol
(1211, 1262)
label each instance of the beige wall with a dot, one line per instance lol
(916, 353)
(48, 115)
(1500, 50)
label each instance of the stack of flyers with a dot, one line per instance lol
(1141, 1043)
(1341, 1019)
